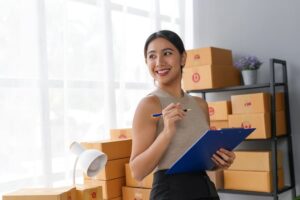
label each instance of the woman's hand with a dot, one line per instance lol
(171, 114)
(223, 158)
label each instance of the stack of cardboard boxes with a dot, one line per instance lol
(253, 111)
(218, 114)
(252, 170)
(209, 68)
(139, 190)
(112, 177)
(62, 193)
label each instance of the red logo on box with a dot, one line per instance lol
(94, 195)
(248, 104)
(196, 57)
(196, 77)
(122, 136)
(246, 125)
(211, 111)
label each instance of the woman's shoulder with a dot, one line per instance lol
(149, 104)
(201, 102)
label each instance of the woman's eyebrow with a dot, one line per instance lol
(168, 49)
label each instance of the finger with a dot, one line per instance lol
(221, 162)
(169, 107)
(224, 156)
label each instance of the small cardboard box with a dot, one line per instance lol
(117, 134)
(260, 121)
(130, 193)
(130, 181)
(210, 76)
(256, 103)
(219, 110)
(115, 149)
(255, 161)
(113, 169)
(62, 193)
(85, 192)
(110, 188)
(215, 125)
(208, 56)
(217, 177)
(251, 180)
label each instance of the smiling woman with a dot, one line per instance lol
(159, 142)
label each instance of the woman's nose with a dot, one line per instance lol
(160, 61)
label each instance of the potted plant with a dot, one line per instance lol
(248, 66)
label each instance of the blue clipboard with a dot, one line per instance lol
(198, 156)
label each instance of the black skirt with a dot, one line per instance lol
(184, 186)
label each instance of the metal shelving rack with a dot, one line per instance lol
(272, 86)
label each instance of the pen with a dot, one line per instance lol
(160, 114)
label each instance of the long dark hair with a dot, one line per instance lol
(168, 35)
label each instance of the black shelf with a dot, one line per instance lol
(237, 88)
(273, 140)
(284, 189)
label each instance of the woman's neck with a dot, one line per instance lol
(174, 91)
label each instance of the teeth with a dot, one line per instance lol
(163, 71)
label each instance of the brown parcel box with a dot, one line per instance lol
(255, 161)
(130, 193)
(217, 178)
(110, 188)
(208, 56)
(113, 169)
(116, 134)
(260, 121)
(115, 149)
(219, 110)
(215, 125)
(251, 180)
(63, 193)
(85, 192)
(130, 181)
(255, 103)
(210, 76)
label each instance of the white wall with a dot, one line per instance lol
(266, 29)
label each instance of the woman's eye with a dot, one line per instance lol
(151, 56)
(167, 53)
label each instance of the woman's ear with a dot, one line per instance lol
(183, 59)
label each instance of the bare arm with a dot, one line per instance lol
(147, 147)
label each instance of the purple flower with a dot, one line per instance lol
(247, 63)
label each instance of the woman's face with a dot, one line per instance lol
(164, 61)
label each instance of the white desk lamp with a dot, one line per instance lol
(90, 160)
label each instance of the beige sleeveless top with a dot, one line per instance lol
(188, 130)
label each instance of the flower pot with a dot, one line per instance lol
(249, 77)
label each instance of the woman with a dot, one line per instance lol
(159, 142)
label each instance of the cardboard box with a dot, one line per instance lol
(256, 103)
(130, 181)
(116, 134)
(110, 188)
(113, 169)
(130, 193)
(210, 76)
(255, 161)
(215, 125)
(85, 192)
(251, 180)
(219, 110)
(115, 149)
(62, 193)
(260, 121)
(217, 177)
(208, 56)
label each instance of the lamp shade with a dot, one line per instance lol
(91, 161)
